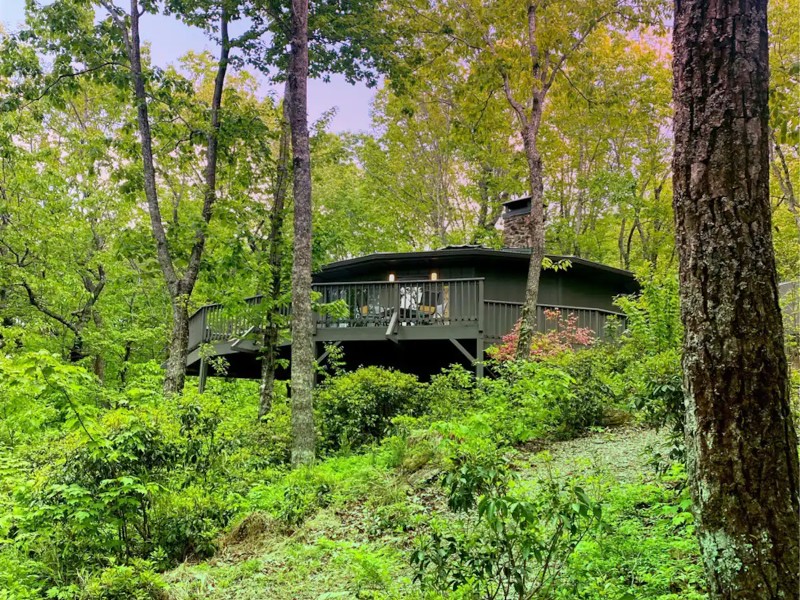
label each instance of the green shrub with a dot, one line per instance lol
(293, 499)
(647, 549)
(510, 546)
(450, 394)
(597, 390)
(653, 322)
(186, 522)
(530, 400)
(356, 408)
(20, 577)
(137, 581)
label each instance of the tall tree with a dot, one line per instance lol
(180, 286)
(740, 439)
(519, 49)
(302, 367)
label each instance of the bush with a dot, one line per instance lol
(294, 499)
(564, 335)
(657, 392)
(186, 522)
(531, 400)
(653, 323)
(598, 391)
(137, 581)
(510, 546)
(356, 408)
(451, 394)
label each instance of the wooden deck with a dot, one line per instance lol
(379, 311)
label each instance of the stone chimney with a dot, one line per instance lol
(516, 223)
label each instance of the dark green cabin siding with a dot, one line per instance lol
(584, 284)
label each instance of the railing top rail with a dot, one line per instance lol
(340, 283)
(560, 307)
(399, 281)
(248, 300)
(487, 300)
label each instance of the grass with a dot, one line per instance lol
(354, 542)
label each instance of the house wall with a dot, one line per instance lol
(505, 279)
(417, 272)
(555, 287)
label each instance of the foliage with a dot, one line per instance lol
(562, 336)
(138, 478)
(137, 581)
(644, 523)
(543, 398)
(451, 393)
(356, 408)
(652, 318)
(650, 344)
(515, 546)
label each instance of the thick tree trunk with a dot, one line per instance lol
(740, 440)
(272, 328)
(175, 375)
(528, 320)
(303, 436)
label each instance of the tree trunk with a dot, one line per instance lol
(528, 320)
(180, 288)
(303, 442)
(175, 375)
(740, 440)
(272, 329)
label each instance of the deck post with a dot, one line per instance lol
(396, 298)
(201, 385)
(479, 358)
(481, 308)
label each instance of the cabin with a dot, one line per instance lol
(422, 311)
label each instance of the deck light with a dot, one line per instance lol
(434, 276)
(391, 276)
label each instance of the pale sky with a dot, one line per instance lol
(170, 39)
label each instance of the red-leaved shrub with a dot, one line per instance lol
(564, 336)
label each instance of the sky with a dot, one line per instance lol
(170, 39)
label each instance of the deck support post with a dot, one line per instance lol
(477, 361)
(479, 358)
(392, 328)
(324, 355)
(201, 384)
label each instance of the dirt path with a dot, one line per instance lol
(622, 454)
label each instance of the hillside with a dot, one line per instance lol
(358, 546)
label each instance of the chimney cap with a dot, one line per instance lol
(517, 206)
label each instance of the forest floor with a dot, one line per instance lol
(358, 547)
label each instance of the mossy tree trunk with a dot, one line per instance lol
(272, 328)
(302, 368)
(740, 438)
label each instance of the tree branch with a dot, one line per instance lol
(212, 155)
(35, 302)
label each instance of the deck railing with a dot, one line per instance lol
(389, 305)
(421, 302)
(502, 316)
(213, 323)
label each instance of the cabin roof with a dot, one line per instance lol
(450, 255)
